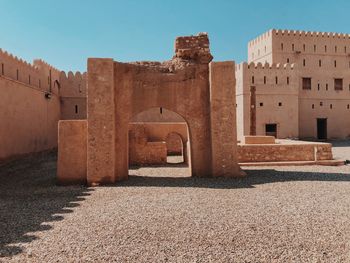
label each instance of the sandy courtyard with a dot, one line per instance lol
(276, 214)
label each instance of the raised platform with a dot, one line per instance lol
(286, 152)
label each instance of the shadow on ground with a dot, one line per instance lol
(254, 177)
(30, 200)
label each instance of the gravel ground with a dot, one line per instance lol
(276, 214)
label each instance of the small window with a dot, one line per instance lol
(327, 86)
(17, 74)
(304, 47)
(335, 63)
(253, 79)
(313, 106)
(320, 63)
(276, 79)
(76, 109)
(325, 49)
(281, 46)
(335, 49)
(304, 62)
(318, 86)
(338, 84)
(307, 83)
(314, 48)
(348, 106)
(161, 110)
(264, 79)
(292, 47)
(2, 69)
(261, 104)
(287, 60)
(331, 106)
(29, 79)
(287, 80)
(280, 104)
(321, 103)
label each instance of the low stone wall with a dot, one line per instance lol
(259, 140)
(284, 152)
(143, 152)
(72, 152)
(150, 153)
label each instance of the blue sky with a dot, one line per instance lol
(65, 33)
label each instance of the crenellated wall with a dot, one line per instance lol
(323, 58)
(38, 75)
(33, 98)
(276, 98)
(73, 95)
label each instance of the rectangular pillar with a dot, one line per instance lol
(223, 120)
(101, 122)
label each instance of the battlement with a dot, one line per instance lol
(310, 33)
(39, 74)
(252, 65)
(300, 33)
(194, 48)
(73, 84)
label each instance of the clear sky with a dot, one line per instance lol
(66, 32)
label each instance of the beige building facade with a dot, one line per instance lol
(296, 84)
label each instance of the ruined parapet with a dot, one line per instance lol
(195, 48)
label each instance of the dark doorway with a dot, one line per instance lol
(271, 129)
(322, 129)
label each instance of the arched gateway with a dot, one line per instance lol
(203, 93)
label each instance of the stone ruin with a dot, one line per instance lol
(96, 151)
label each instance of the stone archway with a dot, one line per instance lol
(202, 93)
(175, 148)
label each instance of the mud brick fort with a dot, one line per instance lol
(215, 115)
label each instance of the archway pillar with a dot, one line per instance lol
(101, 122)
(223, 119)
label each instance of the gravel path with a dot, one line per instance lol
(276, 214)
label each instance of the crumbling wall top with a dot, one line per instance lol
(195, 48)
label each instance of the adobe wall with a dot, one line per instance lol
(182, 85)
(73, 95)
(261, 48)
(38, 75)
(277, 98)
(143, 139)
(322, 57)
(144, 152)
(284, 152)
(72, 152)
(28, 119)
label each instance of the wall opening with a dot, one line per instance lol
(322, 128)
(159, 144)
(76, 109)
(175, 148)
(271, 129)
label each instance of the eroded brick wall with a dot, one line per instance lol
(142, 152)
(280, 153)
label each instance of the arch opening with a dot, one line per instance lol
(175, 148)
(159, 138)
